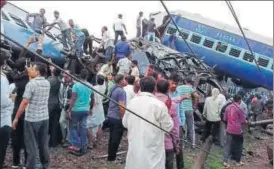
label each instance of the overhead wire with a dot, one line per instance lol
(231, 8)
(96, 91)
(195, 55)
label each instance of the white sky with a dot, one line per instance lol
(257, 16)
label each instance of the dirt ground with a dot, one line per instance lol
(61, 159)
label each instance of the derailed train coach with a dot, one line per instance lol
(167, 60)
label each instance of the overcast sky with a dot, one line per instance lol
(257, 16)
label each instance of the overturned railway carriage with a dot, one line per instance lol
(220, 46)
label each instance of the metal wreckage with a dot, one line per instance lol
(166, 60)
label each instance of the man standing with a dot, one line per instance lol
(79, 109)
(129, 88)
(65, 30)
(146, 147)
(39, 21)
(139, 25)
(6, 112)
(151, 30)
(122, 49)
(107, 43)
(119, 28)
(65, 93)
(54, 109)
(114, 117)
(106, 69)
(235, 119)
(79, 38)
(21, 78)
(187, 106)
(38, 25)
(134, 69)
(35, 101)
(124, 66)
(212, 110)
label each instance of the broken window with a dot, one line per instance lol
(208, 43)
(234, 52)
(18, 21)
(263, 62)
(221, 47)
(248, 57)
(196, 39)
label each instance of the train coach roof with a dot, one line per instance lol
(249, 34)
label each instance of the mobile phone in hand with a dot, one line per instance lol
(28, 62)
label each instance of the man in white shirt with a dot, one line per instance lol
(135, 69)
(5, 111)
(106, 69)
(106, 43)
(146, 147)
(124, 66)
(65, 30)
(129, 88)
(139, 25)
(119, 28)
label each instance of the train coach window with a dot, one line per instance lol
(234, 52)
(196, 39)
(184, 34)
(248, 57)
(18, 21)
(263, 62)
(221, 47)
(171, 30)
(4, 16)
(208, 43)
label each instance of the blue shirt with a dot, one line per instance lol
(78, 33)
(82, 102)
(180, 111)
(182, 90)
(119, 95)
(122, 49)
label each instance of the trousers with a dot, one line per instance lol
(36, 133)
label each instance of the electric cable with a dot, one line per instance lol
(96, 91)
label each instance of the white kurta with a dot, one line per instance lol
(146, 149)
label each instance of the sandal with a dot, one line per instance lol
(238, 164)
(226, 165)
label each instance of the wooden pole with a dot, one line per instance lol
(199, 162)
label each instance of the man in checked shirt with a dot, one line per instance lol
(65, 92)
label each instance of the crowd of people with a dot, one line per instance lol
(41, 104)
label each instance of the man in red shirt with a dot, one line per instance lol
(235, 118)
